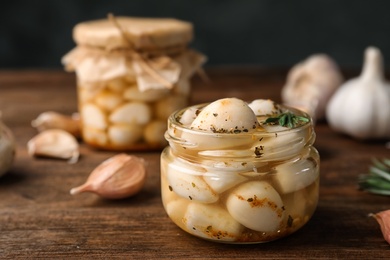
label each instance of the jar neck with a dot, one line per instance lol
(259, 145)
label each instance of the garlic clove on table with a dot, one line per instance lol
(54, 120)
(311, 83)
(54, 143)
(118, 177)
(361, 106)
(383, 218)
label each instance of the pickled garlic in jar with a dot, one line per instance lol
(132, 73)
(239, 172)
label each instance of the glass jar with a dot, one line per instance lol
(117, 116)
(132, 73)
(239, 188)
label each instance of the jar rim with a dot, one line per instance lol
(256, 144)
(173, 121)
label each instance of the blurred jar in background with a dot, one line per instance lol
(132, 73)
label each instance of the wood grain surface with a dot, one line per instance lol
(40, 219)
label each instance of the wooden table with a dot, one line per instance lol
(38, 217)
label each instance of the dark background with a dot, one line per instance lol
(36, 34)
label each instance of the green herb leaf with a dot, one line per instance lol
(377, 180)
(286, 119)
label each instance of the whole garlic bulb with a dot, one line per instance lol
(311, 83)
(7, 148)
(361, 106)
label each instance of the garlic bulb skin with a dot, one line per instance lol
(311, 83)
(7, 148)
(361, 106)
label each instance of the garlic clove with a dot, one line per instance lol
(95, 136)
(226, 115)
(185, 179)
(55, 120)
(188, 116)
(220, 181)
(264, 107)
(256, 205)
(223, 175)
(118, 177)
(295, 175)
(123, 135)
(108, 100)
(311, 83)
(383, 219)
(176, 209)
(93, 116)
(131, 113)
(54, 143)
(211, 221)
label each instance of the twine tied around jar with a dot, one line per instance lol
(153, 68)
(143, 61)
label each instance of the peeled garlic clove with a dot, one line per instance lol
(108, 100)
(295, 175)
(132, 113)
(311, 83)
(54, 120)
(118, 177)
(383, 219)
(93, 116)
(222, 181)
(176, 209)
(228, 115)
(54, 143)
(95, 136)
(188, 116)
(223, 175)
(256, 205)
(122, 135)
(264, 107)
(186, 181)
(211, 221)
